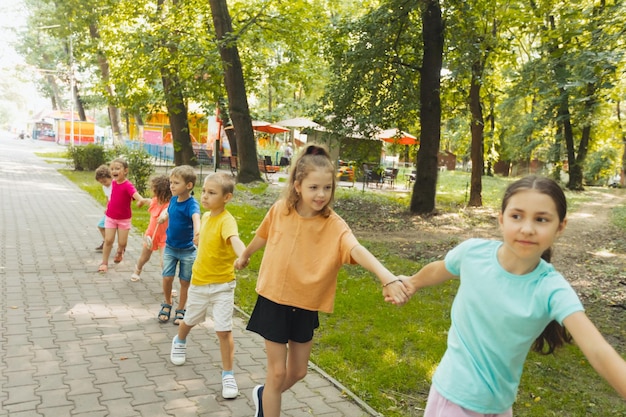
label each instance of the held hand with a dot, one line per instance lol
(162, 218)
(241, 263)
(408, 285)
(396, 293)
(196, 238)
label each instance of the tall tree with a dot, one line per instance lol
(238, 109)
(425, 188)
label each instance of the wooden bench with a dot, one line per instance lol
(265, 166)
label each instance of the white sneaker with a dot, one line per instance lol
(178, 352)
(229, 387)
(174, 292)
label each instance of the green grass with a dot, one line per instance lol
(386, 354)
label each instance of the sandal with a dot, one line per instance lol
(135, 276)
(119, 256)
(180, 315)
(103, 268)
(166, 310)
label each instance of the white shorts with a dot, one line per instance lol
(221, 297)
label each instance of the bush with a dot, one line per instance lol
(88, 157)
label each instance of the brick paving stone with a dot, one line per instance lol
(82, 344)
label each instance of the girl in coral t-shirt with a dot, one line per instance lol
(154, 238)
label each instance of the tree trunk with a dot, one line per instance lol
(239, 111)
(179, 121)
(477, 129)
(425, 188)
(114, 112)
(80, 107)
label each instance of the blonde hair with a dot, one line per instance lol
(226, 181)
(312, 157)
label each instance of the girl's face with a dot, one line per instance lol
(118, 172)
(213, 197)
(530, 224)
(178, 187)
(315, 191)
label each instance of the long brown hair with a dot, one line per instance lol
(554, 335)
(312, 157)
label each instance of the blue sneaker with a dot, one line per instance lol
(257, 397)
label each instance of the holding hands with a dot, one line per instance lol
(396, 292)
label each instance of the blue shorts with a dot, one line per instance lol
(101, 223)
(281, 323)
(184, 257)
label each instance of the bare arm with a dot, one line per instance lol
(432, 274)
(195, 219)
(140, 200)
(237, 244)
(244, 259)
(393, 289)
(601, 355)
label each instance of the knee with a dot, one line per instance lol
(299, 373)
(184, 284)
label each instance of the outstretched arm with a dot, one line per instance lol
(237, 244)
(393, 289)
(601, 355)
(244, 259)
(432, 274)
(140, 200)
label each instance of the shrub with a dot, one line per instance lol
(88, 157)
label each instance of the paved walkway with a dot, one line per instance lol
(77, 343)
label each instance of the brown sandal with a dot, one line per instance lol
(119, 256)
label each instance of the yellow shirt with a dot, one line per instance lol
(215, 260)
(302, 258)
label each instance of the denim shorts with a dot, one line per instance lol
(173, 257)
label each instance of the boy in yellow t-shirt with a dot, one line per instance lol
(213, 277)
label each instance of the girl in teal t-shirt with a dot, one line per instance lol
(510, 300)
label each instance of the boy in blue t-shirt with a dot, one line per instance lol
(182, 238)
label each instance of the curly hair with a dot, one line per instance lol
(161, 188)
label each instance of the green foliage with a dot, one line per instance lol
(88, 157)
(600, 165)
(140, 167)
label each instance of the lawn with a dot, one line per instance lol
(385, 354)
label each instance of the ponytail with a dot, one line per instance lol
(554, 335)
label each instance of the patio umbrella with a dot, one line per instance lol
(398, 136)
(266, 127)
(298, 122)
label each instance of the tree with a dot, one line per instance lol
(239, 112)
(425, 187)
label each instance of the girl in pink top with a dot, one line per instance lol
(154, 238)
(118, 213)
(306, 243)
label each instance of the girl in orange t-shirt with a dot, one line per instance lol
(154, 238)
(306, 243)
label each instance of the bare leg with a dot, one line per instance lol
(109, 239)
(122, 240)
(167, 289)
(146, 253)
(184, 288)
(227, 349)
(284, 369)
